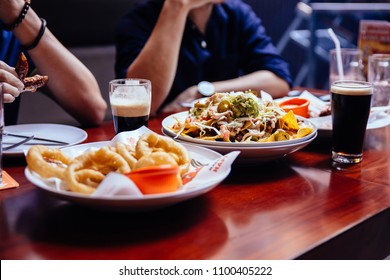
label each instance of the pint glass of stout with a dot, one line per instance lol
(130, 101)
(351, 103)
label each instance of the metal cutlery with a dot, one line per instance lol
(18, 143)
(35, 138)
(195, 163)
(31, 144)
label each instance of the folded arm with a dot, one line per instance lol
(269, 82)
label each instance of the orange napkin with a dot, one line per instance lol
(8, 182)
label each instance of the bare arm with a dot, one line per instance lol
(71, 84)
(259, 80)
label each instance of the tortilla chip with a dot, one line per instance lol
(302, 132)
(290, 121)
(278, 136)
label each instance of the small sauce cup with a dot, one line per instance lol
(156, 179)
(299, 106)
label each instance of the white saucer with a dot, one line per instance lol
(59, 132)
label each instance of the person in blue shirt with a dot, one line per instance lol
(178, 43)
(70, 84)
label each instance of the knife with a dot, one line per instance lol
(35, 138)
(19, 143)
(32, 144)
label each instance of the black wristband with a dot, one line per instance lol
(38, 38)
(20, 18)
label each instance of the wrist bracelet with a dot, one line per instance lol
(20, 18)
(38, 38)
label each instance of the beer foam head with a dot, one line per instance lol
(351, 88)
(130, 101)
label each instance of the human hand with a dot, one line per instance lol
(187, 96)
(10, 85)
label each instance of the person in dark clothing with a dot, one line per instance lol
(178, 43)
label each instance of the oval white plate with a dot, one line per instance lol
(130, 203)
(65, 133)
(253, 155)
(169, 121)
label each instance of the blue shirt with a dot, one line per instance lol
(235, 43)
(9, 53)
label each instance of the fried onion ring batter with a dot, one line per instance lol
(92, 167)
(152, 142)
(47, 162)
(127, 152)
(156, 158)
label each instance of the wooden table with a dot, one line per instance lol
(302, 206)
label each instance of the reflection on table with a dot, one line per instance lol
(300, 206)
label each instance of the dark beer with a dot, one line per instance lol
(351, 103)
(129, 116)
(130, 101)
(129, 123)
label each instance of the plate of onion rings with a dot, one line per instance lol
(134, 202)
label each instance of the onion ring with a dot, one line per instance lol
(156, 158)
(127, 153)
(92, 167)
(47, 162)
(152, 142)
(80, 181)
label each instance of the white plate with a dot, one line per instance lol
(169, 121)
(252, 155)
(324, 124)
(131, 203)
(59, 132)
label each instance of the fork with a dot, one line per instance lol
(195, 163)
(18, 143)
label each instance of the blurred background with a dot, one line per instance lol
(87, 27)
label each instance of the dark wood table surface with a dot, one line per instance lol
(299, 207)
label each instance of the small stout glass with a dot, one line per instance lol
(351, 104)
(130, 101)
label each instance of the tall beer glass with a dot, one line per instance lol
(351, 103)
(130, 101)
